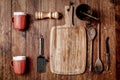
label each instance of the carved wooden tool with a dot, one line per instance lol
(89, 15)
(91, 35)
(98, 63)
(68, 47)
(45, 15)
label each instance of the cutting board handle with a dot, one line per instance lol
(69, 15)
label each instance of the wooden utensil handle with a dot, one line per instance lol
(91, 48)
(41, 46)
(46, 15)
(89, 15)
(98, 44)
(69, 15)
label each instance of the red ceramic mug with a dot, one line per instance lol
(19, 64)
(19, 20)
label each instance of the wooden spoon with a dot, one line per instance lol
(91, 35)
(98, 64)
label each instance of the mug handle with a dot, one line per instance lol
(12, 19)
(11, 63)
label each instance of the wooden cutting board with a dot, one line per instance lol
(68, 47)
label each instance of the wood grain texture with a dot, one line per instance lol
(68, 47)
(32, 41)
(117, 54)
(44, 31)
(14, 42)
(5, 40)
(117, 24)
(60, 7)
(108, 30)
(68, 50)
(52, 22)
(18, 37)
(37, 24)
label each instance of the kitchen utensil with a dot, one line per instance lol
(45, 15)
(41, 61)
(91, 35)
(68, 47)
(84, 12)
(89, 15)
(98, 63)
(107, 54)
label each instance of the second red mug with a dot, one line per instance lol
(19, 20)
(19, 64)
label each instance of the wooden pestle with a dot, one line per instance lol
(47, 15)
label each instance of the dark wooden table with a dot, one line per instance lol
(14, 42)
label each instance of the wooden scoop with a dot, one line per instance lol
(91, 35)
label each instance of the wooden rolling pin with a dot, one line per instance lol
(47, 15)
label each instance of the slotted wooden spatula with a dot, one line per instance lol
(68, 47)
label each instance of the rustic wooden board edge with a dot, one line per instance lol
(52, 46)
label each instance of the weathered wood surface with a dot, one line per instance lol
(14, 42)
(18, 37)
(117, 24)
(68, 47)
(5, 40)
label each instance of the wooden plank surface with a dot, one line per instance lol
(14, 42)
(18, 37)
(60, 8)
(5, 40)
(32, 36)
(117, 24)
(37, 24)
(108, 30)
(52, 22)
